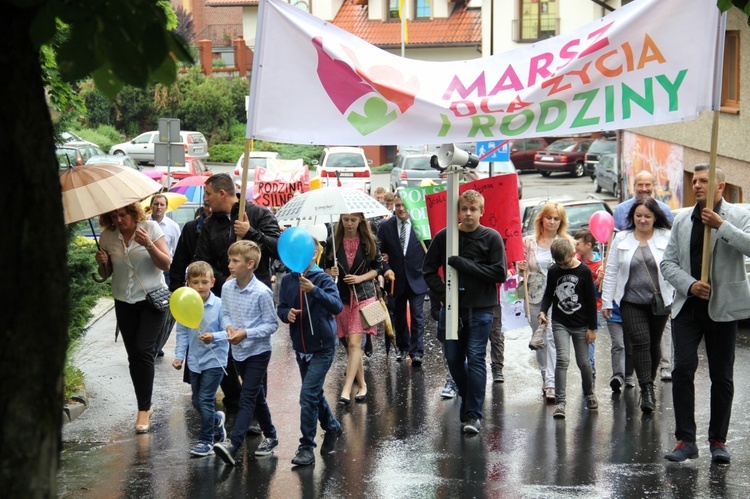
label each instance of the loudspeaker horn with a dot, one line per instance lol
(450, 155)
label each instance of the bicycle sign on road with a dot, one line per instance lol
(494, 150)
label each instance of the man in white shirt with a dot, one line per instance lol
(171, 230)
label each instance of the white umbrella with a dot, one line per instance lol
(324, 205)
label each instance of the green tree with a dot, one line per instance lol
(743, 5)
(117, 42)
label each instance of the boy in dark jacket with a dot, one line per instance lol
(308, 303)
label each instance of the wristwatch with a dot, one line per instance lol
(149, 246)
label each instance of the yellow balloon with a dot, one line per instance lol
(186, 306)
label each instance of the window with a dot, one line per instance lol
(537, 20)
(393, 9)
(730, 87)
(423, 9)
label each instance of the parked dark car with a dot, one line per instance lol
(564, 155)
(607, 175)
(578, 212)
(522, 152)
(76, 153)
(603, 145)
(410, 169)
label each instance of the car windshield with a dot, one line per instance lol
(578, 216)
(497, 167)
(603, 146)
(195, 138)
(253, 162)
(562, 145)
(342, 159)
(417, 163)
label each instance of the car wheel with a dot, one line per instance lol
(545, 173)
(597, 187)
(578, 172)
(119, 153)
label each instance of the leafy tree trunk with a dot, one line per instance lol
(34, 288)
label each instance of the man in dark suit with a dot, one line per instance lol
(404, 255)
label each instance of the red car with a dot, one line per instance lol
(522, 152)
(564, 155)
(193, 167)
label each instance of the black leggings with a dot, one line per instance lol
(644, 331)
(140, 326)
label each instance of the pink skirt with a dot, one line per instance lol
(349, 322)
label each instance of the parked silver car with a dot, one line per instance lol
(607, 175)
(141, 148)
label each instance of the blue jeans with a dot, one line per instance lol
(466, 358)
(312, 401)
(204, 386)
(563, 335)
(252, 398)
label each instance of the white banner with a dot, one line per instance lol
(647, 63)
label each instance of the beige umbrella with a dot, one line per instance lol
(91, 190)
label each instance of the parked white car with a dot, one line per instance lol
(345, 166)
(141, 148)
(255, 158)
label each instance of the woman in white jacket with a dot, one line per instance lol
(632, 280)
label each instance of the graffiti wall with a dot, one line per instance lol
(663, 159)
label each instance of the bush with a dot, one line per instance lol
(384, 168)
(103, 141)
(225, 153)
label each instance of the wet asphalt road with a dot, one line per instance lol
(405, 441)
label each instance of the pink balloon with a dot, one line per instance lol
(601, 225)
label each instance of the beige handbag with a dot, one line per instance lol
(372, 314)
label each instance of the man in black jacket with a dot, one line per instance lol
(480, 264)
(219, 231)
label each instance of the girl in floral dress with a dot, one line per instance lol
(357, 264)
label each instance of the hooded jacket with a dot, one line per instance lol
(322, 303)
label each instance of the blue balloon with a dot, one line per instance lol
(296, 249)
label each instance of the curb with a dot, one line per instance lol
(79, 402)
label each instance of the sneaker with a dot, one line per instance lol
(719, 452)
(202, 449)
(416, 361)
(559, 412)
(254, 428)
(616, 384)
(329, 440)
(472, 425)
(449, 390)
(304, 457)
(683, 450)
(497, 375)
(630, 381)
(666, 374)
(591, 403)
(220, 432)
(399, 355)
(267, 446)
(227, 452)
(537, 338)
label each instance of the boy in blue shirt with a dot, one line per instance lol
(308, 303)
(249, 317)
(206, 363)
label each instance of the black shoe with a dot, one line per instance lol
(227, 452)
(683, 451)
(344, 401)
(416, 361)
(304, 457)
(616, 384)
(399, 355)
(368, 345)
(329, 440)
(648, 400)
(254, 428)
(719, 452)
(160, 353)
(497, 375)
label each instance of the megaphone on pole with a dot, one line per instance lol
(450, 155)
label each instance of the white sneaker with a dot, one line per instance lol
(666, 374)
(449, 391)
